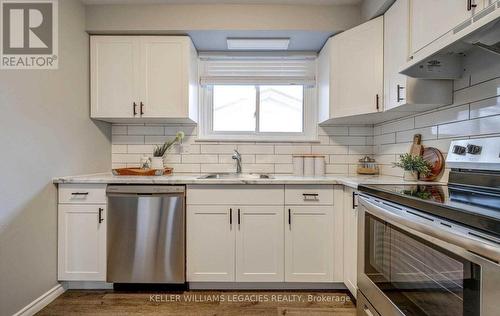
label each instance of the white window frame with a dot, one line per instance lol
(309, 121)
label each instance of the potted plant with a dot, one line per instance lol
(413, 166)
(160, 151)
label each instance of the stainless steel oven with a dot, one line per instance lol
(414, 263)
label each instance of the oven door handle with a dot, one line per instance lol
(459, 239)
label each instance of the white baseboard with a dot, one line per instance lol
(39, 303)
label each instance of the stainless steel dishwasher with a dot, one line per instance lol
(146, 234)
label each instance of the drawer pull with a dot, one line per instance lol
(310, 196)
(79, 193)
(354, 205)
(290, 218)
(230, 216)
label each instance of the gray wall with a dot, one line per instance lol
(45, 132)
(169, 18)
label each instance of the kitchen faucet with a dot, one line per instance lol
(237, 157)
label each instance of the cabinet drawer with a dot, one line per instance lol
(309, 194)
(82, 193)
(235, 194)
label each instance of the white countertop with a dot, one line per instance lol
(348, 180)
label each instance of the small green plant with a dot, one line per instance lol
(160, 151)
(414, 164)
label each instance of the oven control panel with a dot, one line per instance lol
(478, 154)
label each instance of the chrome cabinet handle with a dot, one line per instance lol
(310, 196)
(399, 98)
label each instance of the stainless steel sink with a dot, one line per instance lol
(236, 176)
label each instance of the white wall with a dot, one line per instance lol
(475, 113)
(45, 132)
(169, 18)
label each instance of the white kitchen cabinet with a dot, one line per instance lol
(235, 233)
(402, 93)
(115, 76)
(210, 243)
(350, 72)
(259, 244)
(431, 19)
(143, 78)
(350, 239)
(81, 242)
(309, 244)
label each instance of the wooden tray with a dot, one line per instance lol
(142, 172)
(436, 159)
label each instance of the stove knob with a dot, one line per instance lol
(474, 149)
(459, 150)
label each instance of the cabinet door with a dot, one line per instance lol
(309, 238)
(164, 76)
(260, 244)
(210, 235)
(350, 240)
(431, 19)
(114, 76)
(396, 42)
(82, 242)
(357, 70)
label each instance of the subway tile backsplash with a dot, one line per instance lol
(341, 145)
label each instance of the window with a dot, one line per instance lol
(258, 109)
(257, 100)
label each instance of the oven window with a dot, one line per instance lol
(418, 277)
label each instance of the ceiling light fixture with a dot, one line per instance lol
(258, 43)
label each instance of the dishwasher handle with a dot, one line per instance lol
(145, 190)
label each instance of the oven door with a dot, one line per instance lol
(412, 264)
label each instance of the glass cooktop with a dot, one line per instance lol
(468, 206)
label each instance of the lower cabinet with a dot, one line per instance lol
(235, 243)
(259, 244)
(276, 242)
(210, 243)
(350, 239)
(82, 242)
(81, 232)
(309, 244)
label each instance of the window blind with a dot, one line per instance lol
(258, 71)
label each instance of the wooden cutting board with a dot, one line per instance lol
(436, 159)
(142, 172)
(417, 148)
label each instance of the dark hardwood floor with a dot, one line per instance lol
(100, 302)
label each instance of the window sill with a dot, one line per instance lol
(256, 140)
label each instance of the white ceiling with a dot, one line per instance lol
(305, 2)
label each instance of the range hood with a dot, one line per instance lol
(443, 58)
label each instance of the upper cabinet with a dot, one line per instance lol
(143, 78)
(402, 93)
(350, 72)
(431, 19)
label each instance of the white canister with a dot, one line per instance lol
(319, 166)
(308, 166)
(298, 166)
